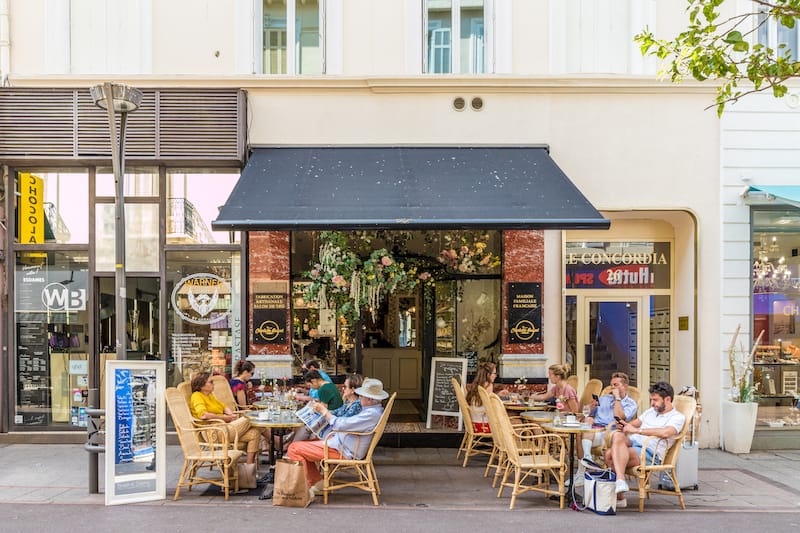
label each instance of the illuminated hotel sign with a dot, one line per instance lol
(615, 265)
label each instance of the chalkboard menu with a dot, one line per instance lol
(441, 397)
(524, 313)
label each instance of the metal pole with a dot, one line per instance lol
(118, 166)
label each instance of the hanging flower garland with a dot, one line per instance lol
(342, 281)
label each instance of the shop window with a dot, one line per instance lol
(204, 318)
(456, 36)
(143, 182)
(776, 306)
(141, 237)
(52, 207)
(193, 202)
(303, 52)
(51, 328)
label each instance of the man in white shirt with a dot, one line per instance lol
(349, 446)
(662, 420)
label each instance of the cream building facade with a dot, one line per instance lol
(644, 152)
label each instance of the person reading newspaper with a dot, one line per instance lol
(370, 394)
(316, 425)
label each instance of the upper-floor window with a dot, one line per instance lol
(776, 36)
(456, 36)
(292, 37)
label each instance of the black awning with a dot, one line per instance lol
(343, 187)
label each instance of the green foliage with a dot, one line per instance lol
(721, 50)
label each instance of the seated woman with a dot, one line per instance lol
(484, 377)
(206, 406)
(566, 399)
(241, 387)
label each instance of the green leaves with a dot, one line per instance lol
(727, 51)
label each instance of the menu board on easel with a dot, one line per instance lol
(135, 431)
(441, 396)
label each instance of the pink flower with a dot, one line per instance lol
(424, 276)
(464, 249)
(315, 273)
(485, 260)
(386, 260)
(338, 279)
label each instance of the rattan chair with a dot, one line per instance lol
(643, 472)
(572, 381)
(593, 386)
(202, 446)
(223, 392)
(361, 471)
(474, 442)
(533, 456)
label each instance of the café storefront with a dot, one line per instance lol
(467, 222)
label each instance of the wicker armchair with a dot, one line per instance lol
(474, 442)
(363, 469)
(534, 457)
(643, 472)
(223, 392)
(202, 446)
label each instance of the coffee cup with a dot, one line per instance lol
(571, 419)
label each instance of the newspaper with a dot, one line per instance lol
(313, 420)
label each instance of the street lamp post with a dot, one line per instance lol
(120, 99)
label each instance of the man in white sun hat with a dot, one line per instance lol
(311, 452)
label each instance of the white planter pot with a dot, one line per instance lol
(738, 426)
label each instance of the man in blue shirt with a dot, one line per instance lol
(370, 394)
(604, 409)
(308, 365)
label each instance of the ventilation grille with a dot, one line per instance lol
(169, 124)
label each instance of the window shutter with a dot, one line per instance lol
(177, 124)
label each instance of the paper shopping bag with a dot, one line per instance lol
(291, 489)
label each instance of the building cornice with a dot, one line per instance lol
(390, 84)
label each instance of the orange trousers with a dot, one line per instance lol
(309, 452)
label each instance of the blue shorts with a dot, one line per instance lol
(648, 454)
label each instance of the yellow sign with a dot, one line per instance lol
(269, 330)
(30, 209)
(524, 330)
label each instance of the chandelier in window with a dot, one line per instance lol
(768, 276)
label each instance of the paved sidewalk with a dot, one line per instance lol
(417, 478)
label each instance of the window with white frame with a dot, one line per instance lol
(467, 52)
(777, 37)
(303, 52)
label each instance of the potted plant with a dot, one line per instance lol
(739, 412)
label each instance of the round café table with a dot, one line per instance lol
(279, 424)
(540, 417)
(522, 406)
(571, 430)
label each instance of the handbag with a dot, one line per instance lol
(291, 489)
(599, 491)
(247, 475)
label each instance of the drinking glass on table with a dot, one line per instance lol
(586, 411)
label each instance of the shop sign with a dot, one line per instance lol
(270, 318)
(525, 313)
(202, 298)
(30, 209)
(628, 266)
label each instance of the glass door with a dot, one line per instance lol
(605, 335)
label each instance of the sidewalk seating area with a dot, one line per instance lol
(415, 478)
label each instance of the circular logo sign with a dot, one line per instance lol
(524, 330)
(269, 330)
(202, 298)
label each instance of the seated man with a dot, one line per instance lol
(326, 392)
(662, 420)
(604, 409)
(308, 365)
(349, 446)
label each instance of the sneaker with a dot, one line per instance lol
(622, 486)
(622, 503)
(579, 475)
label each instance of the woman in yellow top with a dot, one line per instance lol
(206, 406)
